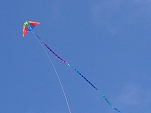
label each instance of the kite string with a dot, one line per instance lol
(40, 41)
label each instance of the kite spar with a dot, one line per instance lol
(28, 26)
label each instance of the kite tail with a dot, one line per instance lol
(96, 89)
(78, 73)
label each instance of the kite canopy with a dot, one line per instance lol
(28, 26)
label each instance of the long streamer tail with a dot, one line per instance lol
(78, 73)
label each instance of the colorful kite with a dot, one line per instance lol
(29, 25)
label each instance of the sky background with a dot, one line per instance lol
(108, 41)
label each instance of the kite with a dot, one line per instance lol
(28, 26)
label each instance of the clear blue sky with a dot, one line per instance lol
(108, 41)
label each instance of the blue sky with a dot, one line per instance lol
(107, 41)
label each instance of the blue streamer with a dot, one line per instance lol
(96, 89)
